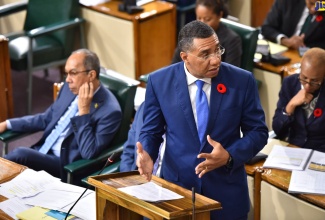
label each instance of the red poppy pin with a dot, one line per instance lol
(221, 88)
(319, 18)
(318, 112)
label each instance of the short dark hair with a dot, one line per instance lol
(91, 61)
(217, 6)
(193, 29)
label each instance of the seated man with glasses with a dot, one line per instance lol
(299, 117)
(79, 124)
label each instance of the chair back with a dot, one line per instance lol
(249, 37)
(124, 91)
(45, 12)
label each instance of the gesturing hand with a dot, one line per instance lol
(217, 158)
(144, 162)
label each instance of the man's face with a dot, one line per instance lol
(311, 76)
(76, 73)
(206, 15)
(203, 60)
(311, 6)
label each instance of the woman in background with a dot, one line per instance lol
(210, 12)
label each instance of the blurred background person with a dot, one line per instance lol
(295, 24)
(210, 12)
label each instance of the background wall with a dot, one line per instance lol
(13, 22)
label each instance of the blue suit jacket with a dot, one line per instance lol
(168, 105)
(129, 155)
(307, 133)
(283, 19)
(88, 135)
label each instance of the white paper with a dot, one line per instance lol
(28, 183)
(85, 208)
(92, 2)
(150, 192)
(287, 158)
(312, 179)
(308, 181)
(13, 206)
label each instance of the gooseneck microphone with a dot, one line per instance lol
(109, 161)
(193, 203)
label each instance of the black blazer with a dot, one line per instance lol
(283, 19)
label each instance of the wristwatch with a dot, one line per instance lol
(230, 162)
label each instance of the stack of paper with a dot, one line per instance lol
(39, 189)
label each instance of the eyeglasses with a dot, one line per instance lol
(73, 73)
(221, 50)
(311, 84)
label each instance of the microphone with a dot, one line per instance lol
(109, 161)
(193, 203)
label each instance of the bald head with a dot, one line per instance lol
(312, 63)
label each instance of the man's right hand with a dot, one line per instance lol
(144, 162)
(3, 126)
(301, 98)
(294, 42)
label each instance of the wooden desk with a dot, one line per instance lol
(132, 44)
(271, 78)
(8, 170)
(277, 203)
(295, 58)
(114, 204)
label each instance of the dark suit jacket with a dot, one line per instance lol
(283, 19)
(230, 40)
(89, 134)
(307, 133)
(129, 155)
(168, 106)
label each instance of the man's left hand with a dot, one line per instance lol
(217, 158)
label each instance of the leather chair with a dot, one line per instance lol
(124, 90)
(48, 36)
(249, 37)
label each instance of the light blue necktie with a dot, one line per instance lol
(61, 126)
(202, 109)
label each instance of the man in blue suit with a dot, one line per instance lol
(90, 129)
(299, 117)
(213, 165)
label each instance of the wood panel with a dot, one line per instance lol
(260, 9)
(6, 103)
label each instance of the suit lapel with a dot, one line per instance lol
(181, 87)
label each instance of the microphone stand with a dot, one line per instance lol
(193, 203)
(109, 161)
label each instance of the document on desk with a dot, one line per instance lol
(312, 179)
(287, 158)
(150, 192)
(28, 183)
(13, 206)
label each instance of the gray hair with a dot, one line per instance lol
(91, 61)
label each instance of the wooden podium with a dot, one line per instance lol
(6, 103)
(112, 203)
